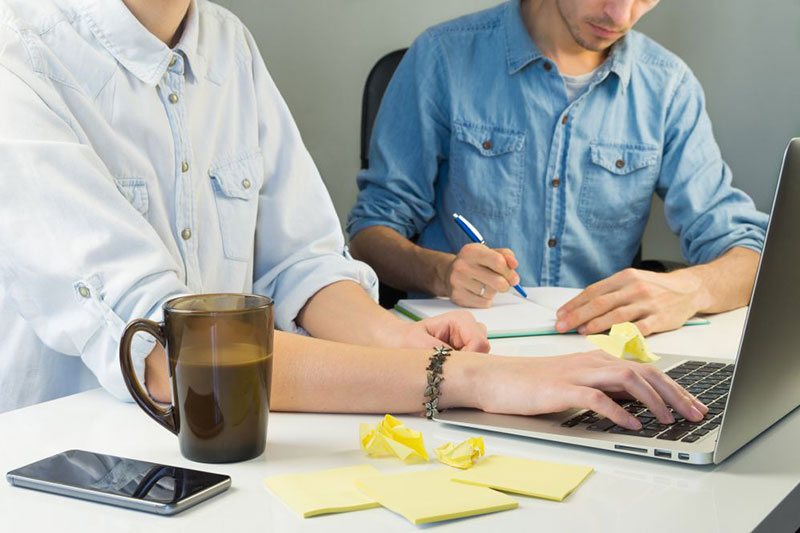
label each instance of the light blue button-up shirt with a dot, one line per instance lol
(131, 173)
(477, 121)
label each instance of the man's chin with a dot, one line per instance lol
(596, 44)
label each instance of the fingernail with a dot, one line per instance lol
(582, 330)
(634, 424)
(560, 314)
(670, 418)
(561, 325)
(696, 414)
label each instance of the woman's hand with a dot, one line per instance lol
(531, 386)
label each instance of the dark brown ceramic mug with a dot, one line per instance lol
(219, 351)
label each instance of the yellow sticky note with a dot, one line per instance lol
(391, 438)
(540, 479)
(429, 496)
(624, 339)
(461, 455)
(330, 491)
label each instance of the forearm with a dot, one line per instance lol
(725, 283)
(344, 312)
(323, 376)
(315, 375)
(401, 263)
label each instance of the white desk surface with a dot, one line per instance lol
(624, 494)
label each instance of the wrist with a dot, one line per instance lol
(463, 375)
(440, 285)
(692, 280)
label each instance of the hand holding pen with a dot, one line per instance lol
(478, 273)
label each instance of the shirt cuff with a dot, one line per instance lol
(296, 285)
(360, 224)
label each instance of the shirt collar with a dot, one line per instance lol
(521, 50)
(138, 50)
(189, 42)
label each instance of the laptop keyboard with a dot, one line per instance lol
(709, 382)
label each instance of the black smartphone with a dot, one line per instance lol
(129, 483)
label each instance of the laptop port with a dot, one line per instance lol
(683, 456)
(663, 453)
(630, 449)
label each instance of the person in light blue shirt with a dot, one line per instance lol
(549, 124)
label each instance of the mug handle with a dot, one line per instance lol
(165, 417)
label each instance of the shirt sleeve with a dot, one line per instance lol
(76, 259)
(409, 144)
(300, 247)
(701, 206)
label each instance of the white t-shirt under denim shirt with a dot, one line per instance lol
(131, 173)
(577, 85)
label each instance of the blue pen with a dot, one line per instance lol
(475, 236)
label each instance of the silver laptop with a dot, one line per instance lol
(744, 398)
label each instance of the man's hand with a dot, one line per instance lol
(654, 302)
(457, 329)
(478, 273)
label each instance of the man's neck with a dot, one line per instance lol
(162, 18)
(549, 31)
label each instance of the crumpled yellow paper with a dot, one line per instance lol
(461, 455)
(390, 437)
(624, 339)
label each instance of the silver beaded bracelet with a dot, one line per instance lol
(434, 369)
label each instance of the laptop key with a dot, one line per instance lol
(691, 438)
(602, 425)
(677, 431)
(673, 434)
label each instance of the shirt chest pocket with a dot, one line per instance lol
(617, 185)
(237, 182)
(486, 169)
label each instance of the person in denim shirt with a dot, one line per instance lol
(549, 124)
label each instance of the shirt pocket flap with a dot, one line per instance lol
(135, 191)
(623, 159)
(489, 141)
(239, 177)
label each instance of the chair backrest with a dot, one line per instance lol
(377, 81)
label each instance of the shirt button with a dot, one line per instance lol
(84, 291)
(552, 243)
(173, 98)
(556, 182)
(185, 167)
(620, 163)
(547, 66)
(487, 145)
(173, 61)
(246, 183)
(186, 234)
(564, 120)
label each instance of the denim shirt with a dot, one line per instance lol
(476, 121)
(131, 173)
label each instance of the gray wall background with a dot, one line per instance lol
(745, 53)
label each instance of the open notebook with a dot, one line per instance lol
(510, 314)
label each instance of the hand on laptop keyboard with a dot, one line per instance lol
(585, 380)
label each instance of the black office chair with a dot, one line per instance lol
(377, 81)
